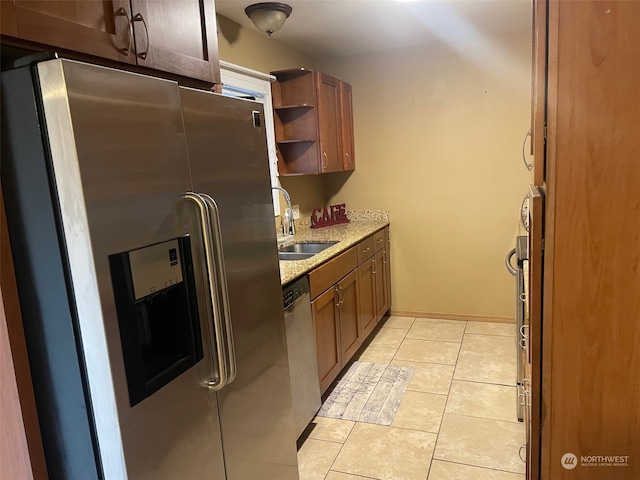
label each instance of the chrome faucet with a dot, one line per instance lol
(287, 218)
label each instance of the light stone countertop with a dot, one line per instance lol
(346, 234)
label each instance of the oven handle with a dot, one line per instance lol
(507, 262)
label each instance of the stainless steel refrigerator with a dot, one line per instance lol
(141, 222)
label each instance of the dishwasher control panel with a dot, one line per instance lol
(292, 292)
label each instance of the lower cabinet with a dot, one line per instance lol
(348, 314)
(327, 332)
(367, 290)
(350, 294)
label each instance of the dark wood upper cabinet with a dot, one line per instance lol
(329, 123)
(313, 123)
(178, 37)
(346, 123)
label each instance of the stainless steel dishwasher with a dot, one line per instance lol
(301, 346)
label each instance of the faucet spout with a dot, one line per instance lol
(288, 224)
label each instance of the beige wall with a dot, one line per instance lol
(252, 49)
(438, 134)
(249, 48)
(438, 139)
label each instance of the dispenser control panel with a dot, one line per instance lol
(155, 268)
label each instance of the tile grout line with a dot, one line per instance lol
(435, 446)
(478, 466)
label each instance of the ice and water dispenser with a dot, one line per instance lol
(157, 310)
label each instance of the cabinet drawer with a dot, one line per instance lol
(378, 240)
(332, 271)
(365, 249)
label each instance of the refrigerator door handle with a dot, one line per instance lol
(223, 292)
(218, 360)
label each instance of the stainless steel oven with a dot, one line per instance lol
(521, 254)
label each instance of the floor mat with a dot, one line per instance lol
(368, 392)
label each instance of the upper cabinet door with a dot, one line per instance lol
(328, 123)
(177, 37)
(94, 27)
(313, 123)
(539, 90)
(346, 123)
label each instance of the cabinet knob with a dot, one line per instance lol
(324, 160)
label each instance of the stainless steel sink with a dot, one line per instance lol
(302, 251)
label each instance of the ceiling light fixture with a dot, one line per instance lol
(269, 16)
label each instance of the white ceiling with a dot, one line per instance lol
(336, 28)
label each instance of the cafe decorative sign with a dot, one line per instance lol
(333, 215)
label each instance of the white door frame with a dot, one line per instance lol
(242, 81)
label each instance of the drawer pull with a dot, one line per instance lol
(365, 250)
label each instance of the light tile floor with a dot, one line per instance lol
(457, 419)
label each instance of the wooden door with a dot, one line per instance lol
(592, 241)
(178, 36)
(21, 451)
(328, 123)
(94, 27)
(327, 331)
(350, 328)
(534, 317)
(539, 90)
(346, 127)
(367, 289)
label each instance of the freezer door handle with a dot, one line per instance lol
(216, 328)
(223, 290)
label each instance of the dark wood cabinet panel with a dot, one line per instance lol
(350, 329)
(350, 293)
(326, 327)
(177, 37)
(367, 297)
(328, 123)
(380, 275)
(313, 123)
(346, 127)
(8, 24)
(386, 262)
(93, 27)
